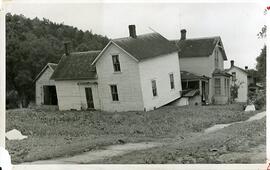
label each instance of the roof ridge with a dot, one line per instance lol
(51, 63)
(141, 35)
(199, 38)
(83, 52)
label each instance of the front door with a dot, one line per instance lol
(89, 98)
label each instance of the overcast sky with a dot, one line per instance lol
(236, 23)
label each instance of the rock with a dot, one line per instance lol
(250, 108)
(14, 134)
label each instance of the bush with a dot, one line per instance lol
(12, 100)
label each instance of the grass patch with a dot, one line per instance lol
(64, 133)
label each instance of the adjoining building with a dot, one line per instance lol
(240, 79)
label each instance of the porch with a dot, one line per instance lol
(195, 88)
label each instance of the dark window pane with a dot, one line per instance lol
(116, 63)
(114, 93)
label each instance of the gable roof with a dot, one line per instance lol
(144, 46)
(51, 66)
(185, 75)
(76, 66)
(199, 47)
(239, 68)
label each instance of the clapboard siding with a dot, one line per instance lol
(43, 80)
(158, 69)
(127, 81)
(71, 94)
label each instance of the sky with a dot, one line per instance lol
(236, 23)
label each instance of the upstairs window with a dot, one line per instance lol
(233, 76)
(154, 87)
(116, 63)
(114, 93)
(217, 86)
(172, 81)
(216, 58)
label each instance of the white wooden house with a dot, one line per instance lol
(240, 78)
(132, 73)
(204, 57)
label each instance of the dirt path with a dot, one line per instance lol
(117, 150)
(107, 152)
(221, 126)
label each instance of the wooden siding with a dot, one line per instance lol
(127, 81)
(203, 66)
(159, 69)
(43, 80)
(71, 94)
(241, 78)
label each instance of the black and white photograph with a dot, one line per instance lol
(135, 83)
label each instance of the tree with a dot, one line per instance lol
(31, 44)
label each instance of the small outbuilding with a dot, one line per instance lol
(45, 87)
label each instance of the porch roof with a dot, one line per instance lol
(188, 76)
(218, 72)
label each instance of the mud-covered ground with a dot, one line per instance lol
(53, 134)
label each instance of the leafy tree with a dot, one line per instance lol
(31, 44)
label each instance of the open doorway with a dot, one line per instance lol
(50, 96)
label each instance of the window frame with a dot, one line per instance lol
(217, 86)
(116, 63)
(154, 89)
(172, 84)
(216, 59)
(114, 93)
(234, 76)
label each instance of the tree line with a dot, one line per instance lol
(31, 44)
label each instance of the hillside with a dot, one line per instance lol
(31, 44)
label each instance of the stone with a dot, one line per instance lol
(14, 134)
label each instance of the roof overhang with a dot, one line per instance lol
(43, 70)
(107, 46)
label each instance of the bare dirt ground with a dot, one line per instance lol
(64, 134)
(219, 150)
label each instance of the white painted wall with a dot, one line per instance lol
(158, 68)
(203, 66)
(241, 78)
(43, 80)
(127, 81)
(72, 96)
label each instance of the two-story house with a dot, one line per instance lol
(205, 57)
(139, 72)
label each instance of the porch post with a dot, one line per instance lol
(200, 86)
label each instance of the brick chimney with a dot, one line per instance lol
(232, 63)
(246, 67)
(183, 34)
(67, 47)
(132, 31)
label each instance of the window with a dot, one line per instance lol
(172, 81)
(116, 63)
(217, 86)
(216, 58)
(114, 93)
(154, 87)
(225, 86)
(233, 76)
